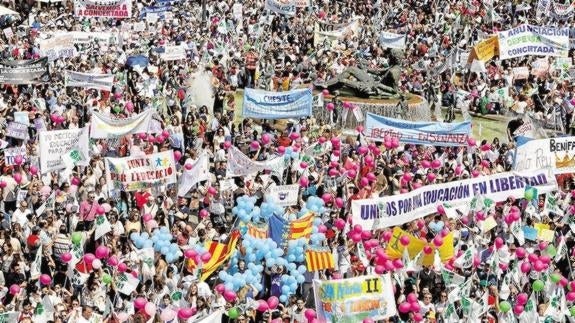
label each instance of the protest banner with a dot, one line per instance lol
(332, 32)
(103, 8)
(392, 40)
(283, 195)
(240, 165)
(199, 172)
(557, 154)
(102, 82)
(11, 153)
(419, 133)
(560, 11)
(86, 37)
(261, 104)
(24, 71)
(155, 11)
(173, 53)
(521, 72)
(126, 283)
(104, 127)
(540, 67)
(54, 144)
(354, 299)
(58, 46)
(17, 130)
(22, 117)
(485, 50)
(542, 9)
(282, 7)
(393, 210)
(533, 40)
(134, 173)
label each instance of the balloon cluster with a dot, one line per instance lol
(161, 242)
(411, 305)
(289, 152)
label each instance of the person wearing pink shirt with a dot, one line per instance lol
(88, 211)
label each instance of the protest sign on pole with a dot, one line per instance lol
(383, 212)
(392, 40)
(354, 299)
(419, 133)
(240, 165)
(22, 117)
(102, 82)
(104, 127)
(199, 172)
(173, 53)
(277, 105)
(17, 130)
(54, 144)
(282, 7)
(533, 40)
(11, 153)
(283, 195)
(485, 50)
(135, 173)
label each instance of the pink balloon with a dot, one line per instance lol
(255, 145)
(475, 173)
(140, 302)
(414, 307)
(309, 314)
(122, 267)
(486, 147)
(404, 240)
(303, 181)
(438, 241)
(362, 150)
(185, 313)
(368, 320)
(190, 253)
(325, 92)
(570, 296)
(366, 235)
(458, 170)
(404, 307)
(411, 297)
(266, 138)
(522, 298)
(339, 202)
(227, 144)
(518, 309)
(387, 235)
(100, 210)
(499, 242)
(379, 269)
(431, 177)
(539, 265)
(351, 173)
(177, 155)
(113, 261)
(327, 198)
(273, 302)
(340, 224)
(146, 217)
(212, 190)
(18, 160)
(356, 237)
(520, 252)
(17, 178)
(363, 182)
(167, 314)
(75, 181)
(204, 213)
(206, 257)
(14, 289)
(262, 306)
(532, 257)
(150, 309)
(425, 164)
(88, 258)
(294, 135)
(229, 295)
(188, 166)
(418, 317)
(440, 209)
(436, 164)
(45, 279)
(66, 257)
(102, 252)
(427, 249)
(471, 141)
(545, 259)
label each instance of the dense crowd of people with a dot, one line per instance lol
(75, 250)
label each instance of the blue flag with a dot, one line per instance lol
(278, 229)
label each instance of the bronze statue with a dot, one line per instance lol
(368, 83)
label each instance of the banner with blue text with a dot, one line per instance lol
(277, 105)
(393, 210)
(418, 133)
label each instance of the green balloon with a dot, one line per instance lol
(233, 313)
(504, 306)
(528, 195)
(572, 311)
(551, 251)
(555, 278)
(106, 279)
(76, 238)
(538, 285)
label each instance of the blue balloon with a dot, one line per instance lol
(301, 279)
(165, 250)
(134, 236)
(283, 298)
(229, 286)
(285, 289)
(148, 244)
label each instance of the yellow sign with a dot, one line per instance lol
(395, 249)
(485, 50)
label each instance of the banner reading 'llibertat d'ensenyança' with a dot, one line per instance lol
(135, 173)
(387, 211)
(533, 40)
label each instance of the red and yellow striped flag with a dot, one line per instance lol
(220, 253)
(319, 260)
(258, 232)
(301, 228)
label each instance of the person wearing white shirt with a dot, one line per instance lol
(20, 215)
